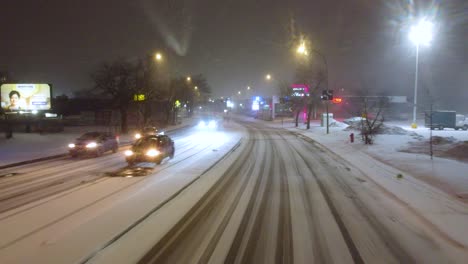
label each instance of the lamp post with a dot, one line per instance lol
(420, 34)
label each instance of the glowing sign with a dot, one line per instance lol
(299, 90)
(255, 106)
(138, 97)
(25, 97)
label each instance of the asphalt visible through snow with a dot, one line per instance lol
(286, 199)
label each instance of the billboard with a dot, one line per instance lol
(25, 97)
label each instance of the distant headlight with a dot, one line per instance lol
(137, 135)
(212, 124)
(91, 145)
(153, 152)
(128, 153)
(202, 124)
(71, 145)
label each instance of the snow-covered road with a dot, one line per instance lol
(283, 199)
(63, 210)
(248, 193)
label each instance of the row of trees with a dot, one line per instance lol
(146, 82)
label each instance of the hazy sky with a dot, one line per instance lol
(236, 42)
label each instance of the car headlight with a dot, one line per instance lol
(137, 135)
(128, 153)
(202, 124)
(91, 145)
(212, 124)
(71, 145)
(152, 152)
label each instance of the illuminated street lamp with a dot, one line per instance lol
(248, 87)
(268, 77)
(301, 49)
(196, 87)
(420, 34)
(239, 92)
(158, 56)
(189, 78)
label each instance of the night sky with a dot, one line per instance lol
(236, 42)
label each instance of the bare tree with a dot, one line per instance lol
(314, 76)
(118, 81)
(150, 86)
(372, 112)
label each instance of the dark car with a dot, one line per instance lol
(94, 143)
(147, 131)
(153, 148)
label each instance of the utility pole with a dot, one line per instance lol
(326, 104)
(430, 136)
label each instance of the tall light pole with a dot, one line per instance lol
(420, 34)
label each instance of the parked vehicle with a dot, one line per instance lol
(94, 143)
(152, 148)
(445, 119)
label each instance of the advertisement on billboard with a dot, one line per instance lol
(25, 97)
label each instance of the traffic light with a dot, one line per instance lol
(327, 95)
(337, 100)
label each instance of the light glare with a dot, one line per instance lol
(422, 33)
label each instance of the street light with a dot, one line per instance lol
(248, 87)
(196, 87)
(189, 78)
(420, 34)
(239, 92)
(301, 49)
(268, 77)
(158, 56)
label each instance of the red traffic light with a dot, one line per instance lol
(337, 100)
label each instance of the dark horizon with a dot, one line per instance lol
(235, 43)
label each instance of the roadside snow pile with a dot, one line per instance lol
(355, 125)
(394, 130)
(385, 130)
(335, 123)
(437, 140)
(448, 147)
(459, 151)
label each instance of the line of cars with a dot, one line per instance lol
(150, 146)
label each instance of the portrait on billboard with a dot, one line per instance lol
(25, 97)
